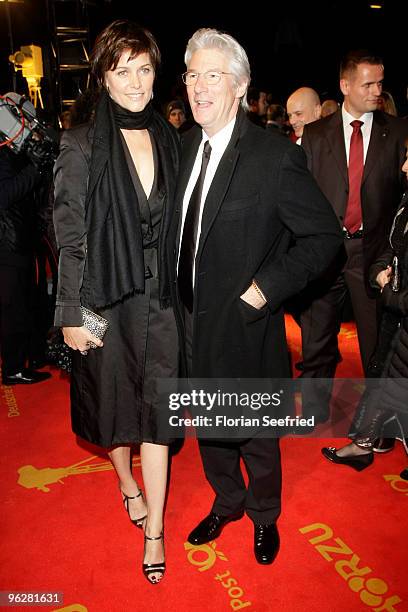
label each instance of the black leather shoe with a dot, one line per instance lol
(211, 527)
(25, 377)
(266, 543)
(358, 462)
(384, 445)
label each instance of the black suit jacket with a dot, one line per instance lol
(383, 180)
(261, 197)
(79, 154)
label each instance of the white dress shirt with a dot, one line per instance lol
(219, 143)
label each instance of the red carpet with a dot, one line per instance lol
(64, 529)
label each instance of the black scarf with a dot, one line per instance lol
(128, 120)
(115, 262)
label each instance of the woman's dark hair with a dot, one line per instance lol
(83, 108)
(116, 38)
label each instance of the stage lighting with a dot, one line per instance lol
(29, 60)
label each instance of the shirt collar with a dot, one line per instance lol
(366, 118)
(220, 140)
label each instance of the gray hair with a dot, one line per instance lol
(208, 38)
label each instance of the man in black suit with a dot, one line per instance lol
(356, 156)
(233, 268)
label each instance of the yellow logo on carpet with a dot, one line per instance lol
(208, 550)
(371, 590)
(207, 556)
(397, 483)
(31, 477)
(10, 401)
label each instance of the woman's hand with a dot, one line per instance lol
(384, 277)
(79, 338)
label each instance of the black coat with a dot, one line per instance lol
(390, 359)
(396, 304)
(72, 191)
(261, 197)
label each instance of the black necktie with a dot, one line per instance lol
(189, 238)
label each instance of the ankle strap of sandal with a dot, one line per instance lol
(154, 538)
(130, 496)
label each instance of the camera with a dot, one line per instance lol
(22, 132)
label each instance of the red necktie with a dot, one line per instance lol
(352, 220)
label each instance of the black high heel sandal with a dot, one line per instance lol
(138, 522)
(153, 568)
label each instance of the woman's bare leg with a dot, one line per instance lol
(154, 459)
(120, 457)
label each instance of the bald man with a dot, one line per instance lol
(303, 106)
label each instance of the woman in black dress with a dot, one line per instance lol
(114, 187)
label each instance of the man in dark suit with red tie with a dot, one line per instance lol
(244, 194)
(356, 156)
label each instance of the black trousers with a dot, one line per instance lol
(321, 321)
(261, 499)
(15, 317)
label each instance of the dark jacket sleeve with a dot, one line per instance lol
(380, 264)
(70, 181)
(309, 217)
(395, 301)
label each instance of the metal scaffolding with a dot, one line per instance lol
(69, 35)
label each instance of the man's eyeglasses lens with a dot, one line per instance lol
(210, 77)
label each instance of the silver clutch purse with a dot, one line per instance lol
(94, 323)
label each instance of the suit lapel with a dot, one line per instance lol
(378, 139)
(221, 181)
(217, 191)
(335, 137)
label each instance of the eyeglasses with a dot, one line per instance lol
(211, 77)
